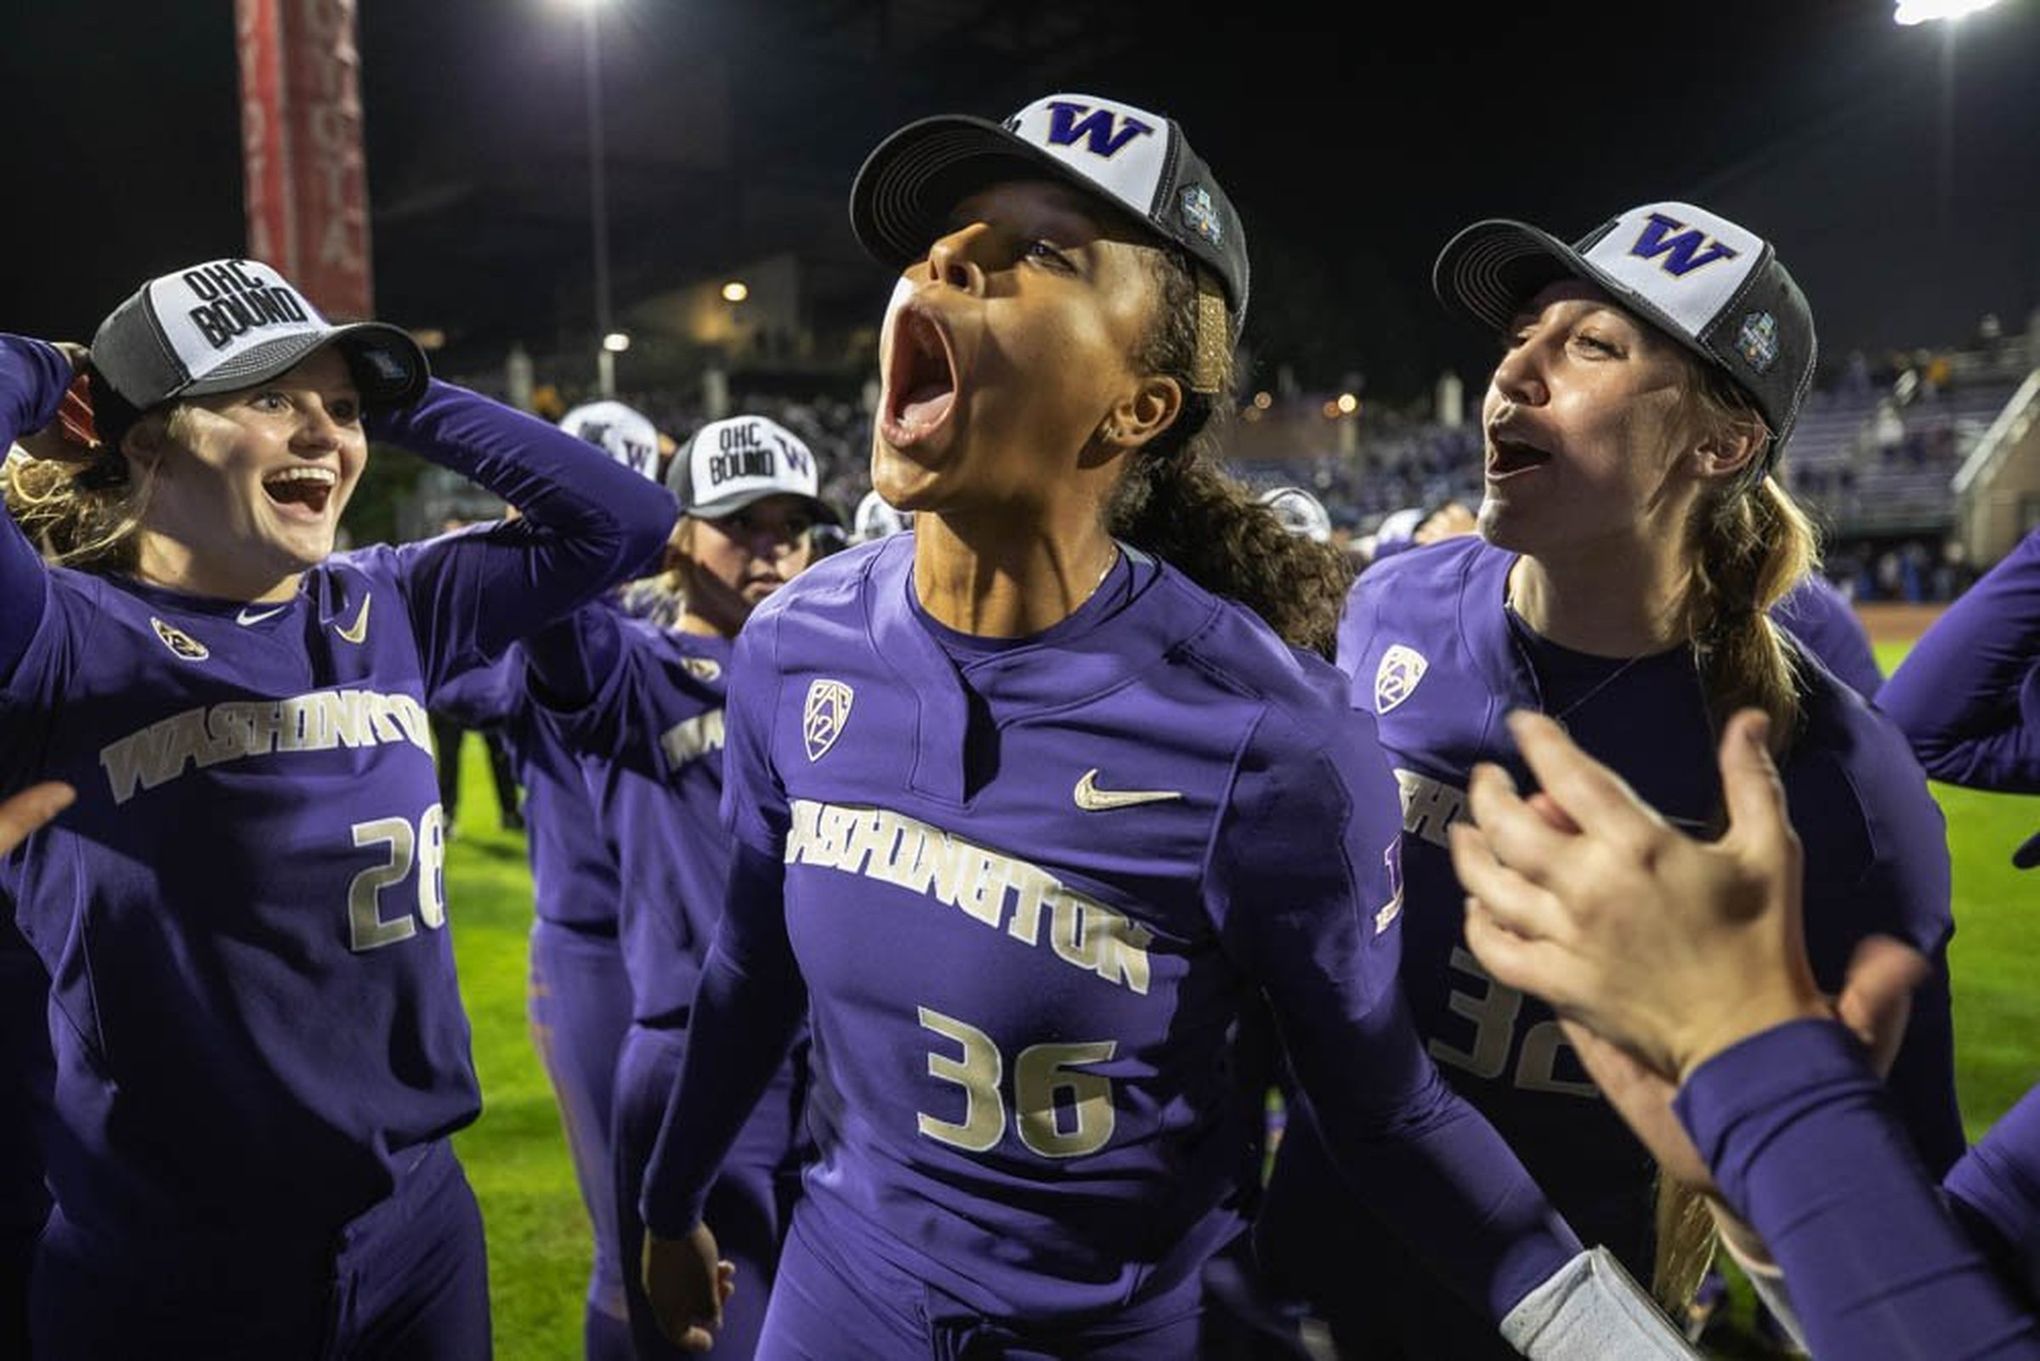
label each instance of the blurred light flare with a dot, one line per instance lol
(616, 342)
(1912, 12)
(736, 290)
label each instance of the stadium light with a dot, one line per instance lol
(1348, 404)
(736, 290)
(616, 342)
(1912, 12)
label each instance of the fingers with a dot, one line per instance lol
(30, 809)
(1519, 836)
(1751, 788)
(1519, 961)
(1511, 898)
(1876, 997)
(1593, 796)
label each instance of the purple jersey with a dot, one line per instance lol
(1802, 1143)
(1031, 887)
(1968, 695)
(573, 867)
(641, 709)
(1996, 1191)
(254, 1010)
(1437, 657)
(1825, 624)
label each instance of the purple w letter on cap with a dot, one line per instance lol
(1684, 253)
(1103, 133)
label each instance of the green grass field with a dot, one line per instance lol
(517, 1156)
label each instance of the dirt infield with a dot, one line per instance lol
(1895, 623)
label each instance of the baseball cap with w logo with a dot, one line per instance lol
(1713, 286)
(1138, 161)
(228, 325)
(729, 464)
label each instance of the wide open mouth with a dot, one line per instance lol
(920, 377)
(1507, 456)
(308, 485)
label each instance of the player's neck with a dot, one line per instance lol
(174, 565)
(1615, 600)
(996, 578)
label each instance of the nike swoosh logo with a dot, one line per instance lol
(1092, 799)
(246, 618)
(360, 629)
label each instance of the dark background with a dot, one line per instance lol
(1355, 140)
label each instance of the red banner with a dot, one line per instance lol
(305, 174)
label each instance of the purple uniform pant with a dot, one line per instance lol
(406, 1281)
(824, 1309)
(748, 1205)
(579, 1012)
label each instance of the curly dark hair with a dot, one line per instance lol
(1177, 503)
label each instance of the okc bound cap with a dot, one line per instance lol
(1715, 287)
(626, 434)
(732, 463)
(228, 325)
(1137, 160)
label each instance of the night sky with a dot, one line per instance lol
(1354, 145)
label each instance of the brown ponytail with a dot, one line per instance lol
(1178, 504)
(1752, 545)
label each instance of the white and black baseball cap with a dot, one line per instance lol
(623, 432)
(1713, 286)
(1301, 513)
(877, 518)
(729, 464)
(1136, 160)
(228, 325)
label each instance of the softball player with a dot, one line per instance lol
(579, 996)
(1631, 541)
(258, 1044)
(641, 706)
(1031, 816)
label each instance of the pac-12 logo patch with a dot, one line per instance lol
(179, 642)
(1400, 670)
(828, 709)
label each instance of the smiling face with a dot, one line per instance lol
(1586, 419)
(249, 485)
(728, 565)
(1008, 348)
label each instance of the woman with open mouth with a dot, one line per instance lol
(1632, 538)
(255, 1045)
(1036, 804)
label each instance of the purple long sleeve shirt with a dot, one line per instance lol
(1803, 1142)
(254, 1013)
(1968, 694)
(1028, 892)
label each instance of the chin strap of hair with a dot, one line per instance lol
(1214, 336)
